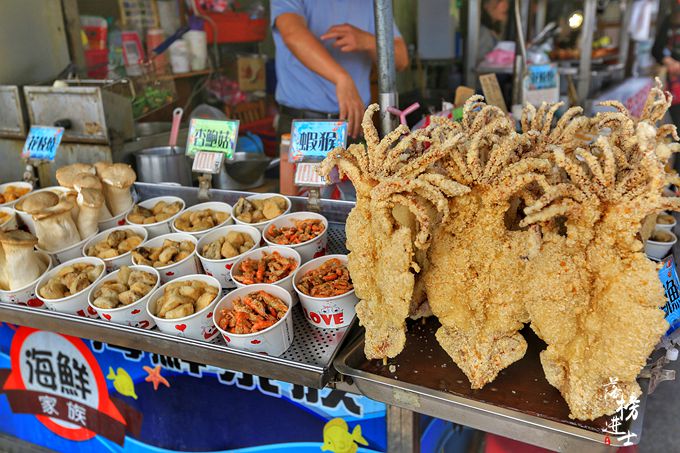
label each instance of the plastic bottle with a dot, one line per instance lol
(286, 169)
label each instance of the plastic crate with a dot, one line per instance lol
(97, 62)
(235, 27)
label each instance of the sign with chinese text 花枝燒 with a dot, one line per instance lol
(42, 142)
(541, 84)
(212, 135)
(313, 139)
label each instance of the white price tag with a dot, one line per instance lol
(306, 175)
(207, 162)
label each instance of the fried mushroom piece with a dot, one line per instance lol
(229, 246)
(201, 220)
(159, 212)
(128, 287)
(70, 280)
(185, 298)
(170, 252)
(117, 243)
(254, 211)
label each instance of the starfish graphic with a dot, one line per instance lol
(155, 377)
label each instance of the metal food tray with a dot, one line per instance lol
(307, 362)
(519, 403)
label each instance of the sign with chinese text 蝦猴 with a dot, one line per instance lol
(212, 135)
(542, 84)
(42, 142)
(313, 139)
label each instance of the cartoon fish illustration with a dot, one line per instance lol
(122, 382)
(337, 438)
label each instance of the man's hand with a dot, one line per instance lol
(672, 66)
(350, 104)
(349, 38)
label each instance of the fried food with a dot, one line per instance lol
(271, 268)
(301, 231)
(70, 280)
(233, 244)
(184, 298)
(128, 287)
(117, 243)
(255, 312)
(4, 217)
(200, 220)
(13, 193)
(328, 280)
(158, 213)
(259, 210)
(170, 252)
(661, 219)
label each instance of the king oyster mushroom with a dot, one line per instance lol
(117, 179)
(90, 202)
(37, 202)
(90, 181)
(55, 227)
(23, 263)
(69, 175)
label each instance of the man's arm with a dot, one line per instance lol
(311, 53)
(349, 38)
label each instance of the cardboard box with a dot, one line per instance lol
(251, 72)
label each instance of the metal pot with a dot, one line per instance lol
(163, 164)
(244, 171)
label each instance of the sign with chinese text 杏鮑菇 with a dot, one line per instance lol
(42, 143)
(212, 135)
(313, 139)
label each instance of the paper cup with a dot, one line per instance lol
(274, 340)
(27, 219)
(198, 326)
(260, 225)
(26, 295)
(187, 266)
(215, 206)
(77, 303)
(285, 283)
(158, 228)
(308, 250)
(666, 226)
(220, 269)
(68, 253)
(20, 184)
(659, 250)
(113, 264)
(113, 222)
(133, 315)
(11, 222)
(326, 312)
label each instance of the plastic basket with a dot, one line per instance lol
(97, 62)
(234, 27)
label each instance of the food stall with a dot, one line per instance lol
(84, 375)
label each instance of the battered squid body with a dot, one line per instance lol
(381, 265)
(474, 285)
(619, 329)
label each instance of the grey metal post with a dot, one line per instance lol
(587, 30)
(541, 12)
(387, 74)
(403, 433)
(624, 36)
(474, 18)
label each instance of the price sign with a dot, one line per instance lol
(542, 84)
(42, 143)
(492, 91)
(313, 139)
(207, 162)
(212, 135)
(306, 175)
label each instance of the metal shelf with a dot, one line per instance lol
(307, 362)
(519, 403)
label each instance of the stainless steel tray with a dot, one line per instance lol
(307, 362)
(519, 404)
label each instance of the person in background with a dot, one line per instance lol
(324, 53)
(493, 23)
(666, 52)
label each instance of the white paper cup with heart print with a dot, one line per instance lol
(263, 196)
(216, 206)
(133, 315)
(200, 325)
(187, 266)
(26, 295)
(158, 228)
(326, 312)
(308, 250)
(75, 304)
(69, 253)
(285, 283)
(221, 269)
(10, 219)
(274, 340)
(124, 259)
